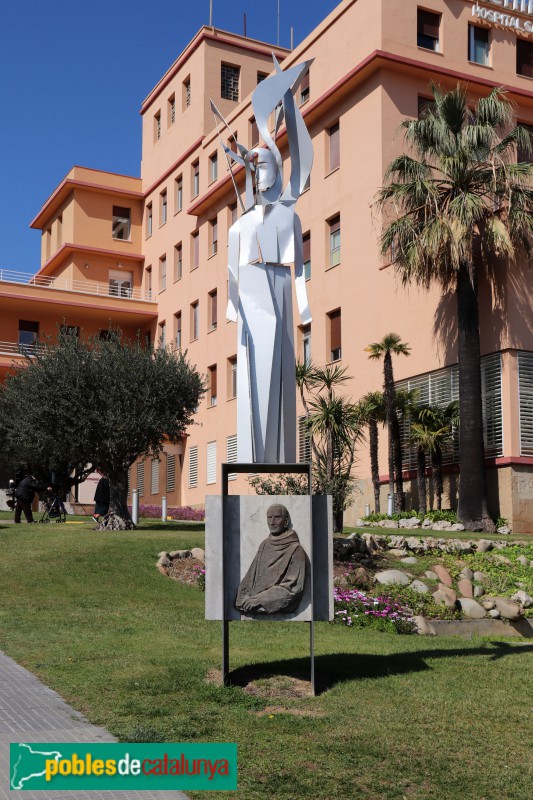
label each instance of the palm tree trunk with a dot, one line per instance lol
(473, 507)
(388, 392)
(374, 462)
(421, 480)
(436, 461)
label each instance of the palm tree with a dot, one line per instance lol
(443, 421)
(390, 345)
(372, 411)
(460, 204)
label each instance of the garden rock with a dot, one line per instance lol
(445, 595)
(398, 553)
(442, 525)
(488, 605)
(507, 608)
(410, 560)
(502, 560)
(361, 523)
(419, 586)
(494, 613)
(415, 544)
(343, 549)
(522, 560)
(457, 527)
(504, 530)
(431, 575)
(392, 576)
(480, 577)
(466, 572)
(361, 578)
(180, 554)
(484, 545)
(443, 575)
(523, 599)
(465, 587)
(413, 522)
(423, 627)
(471, 608)
(397, 541)
(478, 591)
(427, 523)
(198, 553)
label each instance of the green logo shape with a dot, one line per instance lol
(84, 766)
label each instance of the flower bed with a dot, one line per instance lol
(184, 513)
(359, 610)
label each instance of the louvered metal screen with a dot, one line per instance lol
(171, 473)
(231, 454)
(525, 394)
(211, 462)
(140, 478)
(193, 467)
(155, 476)
(304, 440)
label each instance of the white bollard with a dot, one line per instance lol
(135, 506)
(367, 510)
(164, 509)
(390, 505)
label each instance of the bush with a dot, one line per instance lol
(184, 513)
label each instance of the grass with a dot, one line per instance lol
(397, 717)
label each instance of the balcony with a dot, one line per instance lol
(66, 284)
(18, 349)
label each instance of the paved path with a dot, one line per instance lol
(31, 712)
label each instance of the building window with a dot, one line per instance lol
(424, 103)
(211, 463)
(149, 282)
(157, 126)
(232, 142)
(306, 242)
(525, 155)
(525, 395)
(306, 344)
(478, 45)
(335, 342)
(193, 467)
(195, 321)
(304, 89)
(28, 335)
(232, 378)
(162, 334)
(59, 231)
(186, 93)
(162, 273)
(163, 207)
(334, 147)
(213, 310)
(196, 179)
(304, 440)
(48, 243)
(213, 167)
(261, 77)
(140, 478)
(231, 454)
(178, 261)
(154, 488)
(120, 283)
(178, 183)
(212, 377)
(171, 473)
(213, 237)
(229, 82)
(233, 216)
(524, 58)
(335, 241)
(254, 133)
(149, 220)
(177, 329)
(121, 223)
(172, 110)
(428, 25)
(195, 250)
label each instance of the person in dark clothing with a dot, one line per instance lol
(24, 494)
(101, 499)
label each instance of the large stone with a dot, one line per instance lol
(427, 523)
(465, 587)
(443, 574)
(479, 591)
(392, 576)
(457, 527)
(523, 599)
(471, 608)
(423, 627)
(445, 596)
(413, 522)
(484, 545)
(419, 586)
(442, 525)
(488, 604)
(507, 608)
(409, 560)
(504, 530)
(180, 554)
(502, 560)
(397, 541)
(480, 577)
(431, 575)
(494, 613)
(466, 572)
(522, 560)
(398, 552)
(198, 553)
(415, 544)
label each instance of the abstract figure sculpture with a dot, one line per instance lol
(263, 244)
(275, 580)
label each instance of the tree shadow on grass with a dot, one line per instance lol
(340, 667)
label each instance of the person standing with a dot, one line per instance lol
(101, 498)
(24, 494)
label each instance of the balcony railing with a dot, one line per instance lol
(66, 284)
(18, 349)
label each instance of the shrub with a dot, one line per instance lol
(184, 513)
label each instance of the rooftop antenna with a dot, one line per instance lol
(245, 24)
(210, 13)
(292, 38)
(278, 24)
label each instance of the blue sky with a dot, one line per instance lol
(72, 79)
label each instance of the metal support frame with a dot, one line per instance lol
(302, 469)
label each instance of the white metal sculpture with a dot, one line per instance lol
(263, 244)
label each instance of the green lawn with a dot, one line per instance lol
(398, 717)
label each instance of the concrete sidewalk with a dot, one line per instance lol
(31, 712)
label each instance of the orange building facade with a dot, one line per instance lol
(150, 253)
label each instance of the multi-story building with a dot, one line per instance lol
(156, 247)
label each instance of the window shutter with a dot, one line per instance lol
(525, 395)
(155, 476)
(524, 58)
(491, 387)
(428, 24)
(307, 247)
(335, 322)
(171, 473)
(304, 440)
(214, 310)
(334, 147)
(193, 467)
(231, 454)
(211, 462)
(140, 478)
(254, 132)
(213, 373)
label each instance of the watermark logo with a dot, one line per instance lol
(84, 766)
